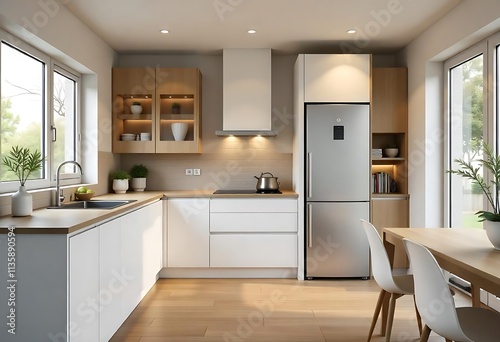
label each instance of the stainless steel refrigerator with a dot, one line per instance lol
(337, 190)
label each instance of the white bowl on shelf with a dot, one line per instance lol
(127, 137)
(391, 152)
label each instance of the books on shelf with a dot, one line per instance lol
(383, 183)
(376, 153)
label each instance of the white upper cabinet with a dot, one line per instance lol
(337, 78)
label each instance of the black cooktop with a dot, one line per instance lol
(245, 192)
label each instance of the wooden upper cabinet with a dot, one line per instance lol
(389, 100)
(337, 78)
(134, 81)
(131, 85)
(183, 81)
(170, 114)
(178, 102)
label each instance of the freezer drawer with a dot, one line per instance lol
(336, 245)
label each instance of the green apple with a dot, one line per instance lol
(81, 190)
(89, 191)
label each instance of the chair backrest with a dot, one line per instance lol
(432, 294)
(381, 267)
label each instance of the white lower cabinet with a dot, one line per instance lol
(112, 267)
(110, 279)
(253, 233)
(188, 232)
(253, 250)
(84, 286)
(131, 260)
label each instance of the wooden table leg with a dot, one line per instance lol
(476, 295)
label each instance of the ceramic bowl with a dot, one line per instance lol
(391, 152)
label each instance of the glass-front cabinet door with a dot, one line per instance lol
(178, 104)
(134, 110)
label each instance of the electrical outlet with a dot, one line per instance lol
(196, 172)
(189, 172)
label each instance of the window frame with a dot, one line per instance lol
(487, 48)
(50, 65)
(66, 178)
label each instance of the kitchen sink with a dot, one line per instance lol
(95, 204)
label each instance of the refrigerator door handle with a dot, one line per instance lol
(309, 174)
(309, 225)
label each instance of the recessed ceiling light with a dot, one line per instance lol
(251, 31)
(351, 31)
(164, 31)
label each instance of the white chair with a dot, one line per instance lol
(437, 307)
(394, 285)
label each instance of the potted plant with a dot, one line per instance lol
(136, 108)
(469, 170)
(22, 162)
(176, 108)
(120, 181)
(139, 172)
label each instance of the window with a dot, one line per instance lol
(472, 92)
(466, 135)
(39, 110)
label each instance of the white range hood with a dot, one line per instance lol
(247, 93)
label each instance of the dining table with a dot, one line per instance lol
(465, 252)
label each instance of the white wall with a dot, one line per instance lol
(48, 26)
(465, 25)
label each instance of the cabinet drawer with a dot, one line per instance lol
(253, 222)
(253, 250)
(253, 205)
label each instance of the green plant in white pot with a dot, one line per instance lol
(120, 181)
(22, 162)
(467, 170)
(138, 172)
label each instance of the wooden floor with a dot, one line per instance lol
(264, 310)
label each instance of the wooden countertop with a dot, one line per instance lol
(66, 221)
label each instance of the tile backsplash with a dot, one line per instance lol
(228, 170)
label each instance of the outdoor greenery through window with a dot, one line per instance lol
(39, 110)
(466, 85)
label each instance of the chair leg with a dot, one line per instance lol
(419, 319)
(380, 300)
(390, 316)
(425, 334)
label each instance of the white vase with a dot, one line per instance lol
(136, 109)
(179, 130)
(138, 184)
(493, 232)
(22, 202)
(120, 186)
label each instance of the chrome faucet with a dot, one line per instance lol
(59, 195)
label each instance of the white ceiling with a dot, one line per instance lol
(286, 26)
